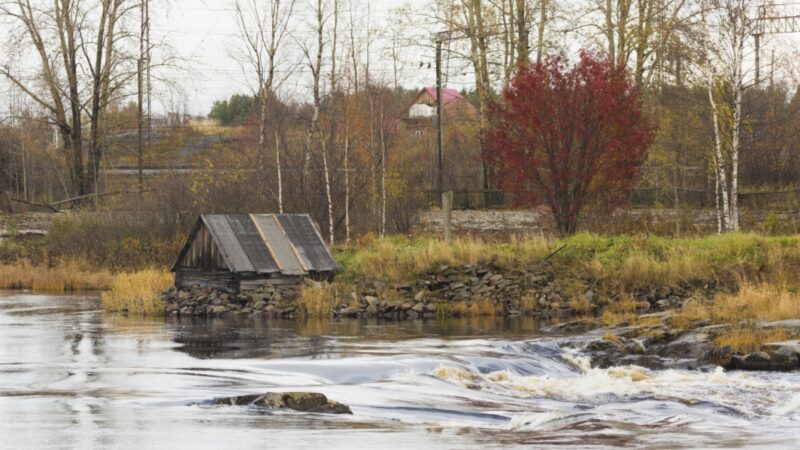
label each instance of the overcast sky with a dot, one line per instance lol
(204, 35)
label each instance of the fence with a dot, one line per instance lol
(639, 198)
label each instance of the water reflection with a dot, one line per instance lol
(233, 338)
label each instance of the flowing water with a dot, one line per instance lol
(73, 377)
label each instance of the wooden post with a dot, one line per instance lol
(9, 205)
(447, 211)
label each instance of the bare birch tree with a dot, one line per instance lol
(314, 58)
(731, 24)
(262, 30)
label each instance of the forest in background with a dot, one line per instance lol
(342, 152)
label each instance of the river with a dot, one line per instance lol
(74, 377)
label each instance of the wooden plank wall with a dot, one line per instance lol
(188, 278)
(203, 253)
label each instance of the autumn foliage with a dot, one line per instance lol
(570, 137)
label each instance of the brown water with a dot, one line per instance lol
(73, 377)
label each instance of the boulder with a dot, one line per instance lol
(312, 402)
(780, 360)
(688, 346)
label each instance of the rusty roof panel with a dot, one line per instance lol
(306, 239)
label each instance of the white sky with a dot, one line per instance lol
(205, 37)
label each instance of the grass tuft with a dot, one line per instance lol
(137, 293)
(317, 301)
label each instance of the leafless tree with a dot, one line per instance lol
(80, 70)
(263, 28)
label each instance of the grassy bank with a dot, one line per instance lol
(752, 305)
(126, 292)
(764, 267)
(625, 262)
(64, 277)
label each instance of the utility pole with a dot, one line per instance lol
(149, 78)
(140, 100)
(757, 39)
(439, 144)
(769, 22)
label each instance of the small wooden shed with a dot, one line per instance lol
(241, 252)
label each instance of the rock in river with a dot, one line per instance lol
(297, 401)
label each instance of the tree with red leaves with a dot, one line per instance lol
(572, 137)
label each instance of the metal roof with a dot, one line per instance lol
(289, 244)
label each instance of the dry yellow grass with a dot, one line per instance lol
(65, 277)
(480, 308)
(623, 310)
(759, 302)
(753, 303)
(398, 259)
(137, 293)
(746, 340)
(581, 305)
(317, 301)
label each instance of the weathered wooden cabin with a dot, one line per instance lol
(241, 252)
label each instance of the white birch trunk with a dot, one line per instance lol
(278, 168)
(719, 165)
(331, 235)
(716, 198)
(737, 83)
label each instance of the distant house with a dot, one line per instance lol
(242, 252)
(421, 114)
(462, 168)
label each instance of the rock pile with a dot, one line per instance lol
(268, 300)
(485, 289)
(659, 346)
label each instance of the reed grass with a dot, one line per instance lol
(746, 340)
(317, 301)
(752, 304)
(64, 277)
(761, 302)
(137, 293)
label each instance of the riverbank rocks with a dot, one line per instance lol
(782, 360)
(659, 346)
(466, 290)
(275, 301)
(486, 289)
(311, 402)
